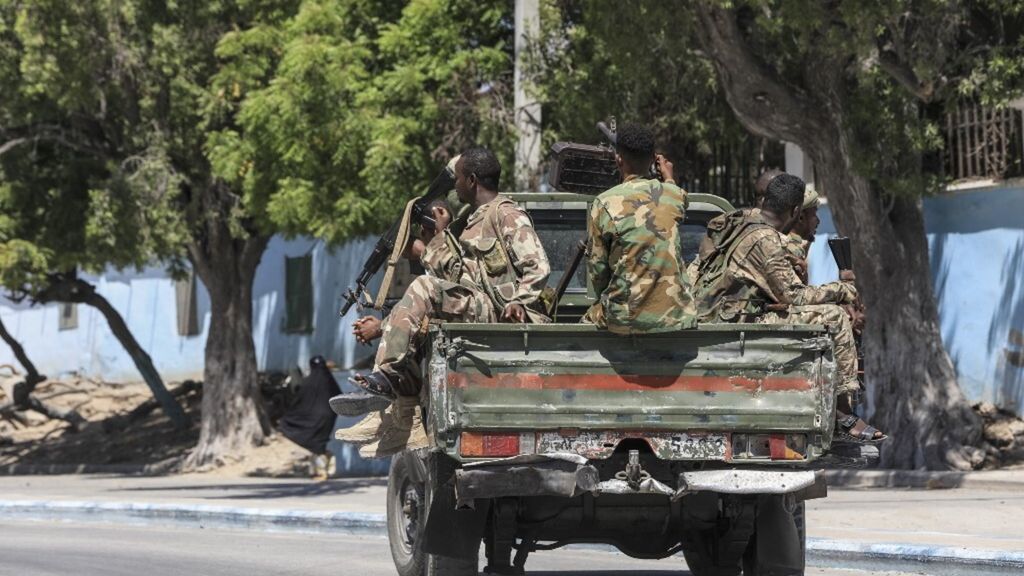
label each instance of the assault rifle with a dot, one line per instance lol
(420, 214)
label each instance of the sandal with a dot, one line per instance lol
(850, 428)
(376, 383)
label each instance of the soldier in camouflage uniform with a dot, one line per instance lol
(802, 234)
(489, 266)
(747, 277)
(760, 186)
(635, 261)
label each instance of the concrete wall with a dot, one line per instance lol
(976, 239)
(146, 299)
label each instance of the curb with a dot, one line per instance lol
(156, 469)
(195, 516)
(936, 560)
(987, 480)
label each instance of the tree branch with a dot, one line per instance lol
(904, 75)
(54, 133)
(757, 94)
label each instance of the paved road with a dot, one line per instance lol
(972, 518)
(58, 549)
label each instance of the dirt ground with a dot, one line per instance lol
(32, 439)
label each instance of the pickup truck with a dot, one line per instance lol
(705, 441)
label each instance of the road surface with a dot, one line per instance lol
(57, 549)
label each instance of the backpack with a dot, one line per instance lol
(719, 295)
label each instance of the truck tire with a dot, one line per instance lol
(752, 563)
(711, 551)
(407, 503)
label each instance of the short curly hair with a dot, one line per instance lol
(785, 192)
(482, 163)
(635, 143)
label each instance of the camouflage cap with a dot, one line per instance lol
(811, 198)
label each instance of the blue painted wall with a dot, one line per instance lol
(976, 240)
(146, 299)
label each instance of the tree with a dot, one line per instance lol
(852, 84)
(860, 86)
(301, 117)
(66, 209)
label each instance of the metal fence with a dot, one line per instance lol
(983, 142)
(730, 170)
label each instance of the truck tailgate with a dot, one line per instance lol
(718, 378)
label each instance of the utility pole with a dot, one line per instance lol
(527, 109)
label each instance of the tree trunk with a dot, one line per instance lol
(64, 288)
(23, 398)
(142, 360)
(912, 380)
(918, 402)
(232, 415)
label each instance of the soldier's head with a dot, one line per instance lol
(761, 184)
(807, 224)
(634, 149)
(782, 201)
(477, 175)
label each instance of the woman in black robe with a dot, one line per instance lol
(308, 421)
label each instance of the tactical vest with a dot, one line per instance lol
(720, 295)
(496, 272)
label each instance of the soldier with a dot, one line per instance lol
(635, 261)
(760, 185)
(748, 278)
(494, 270)
(800, 237)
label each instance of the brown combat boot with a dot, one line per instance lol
(365, 431)
(401, 429)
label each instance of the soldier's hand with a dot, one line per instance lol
(442, 216)
(847, 276)
(665, 167)
(414, 251)
(367, 329)
(514, 312)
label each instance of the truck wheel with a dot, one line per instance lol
(791, 548)
(408, 501)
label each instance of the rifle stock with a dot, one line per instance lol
(842, 251)
(421, 214)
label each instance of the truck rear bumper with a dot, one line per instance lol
(567, 479)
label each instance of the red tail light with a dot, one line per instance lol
(489, 445)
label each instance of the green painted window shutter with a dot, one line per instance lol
(298, 290)
(68, 316)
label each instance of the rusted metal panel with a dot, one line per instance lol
(681, 392)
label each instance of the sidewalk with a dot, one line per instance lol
(969, 518)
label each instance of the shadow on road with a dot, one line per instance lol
(268, 490)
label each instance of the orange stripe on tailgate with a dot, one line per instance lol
(625, 382)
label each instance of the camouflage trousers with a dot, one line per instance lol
(837, 322)
(426, 298)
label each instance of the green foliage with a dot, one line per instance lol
(595, 60)
(905, 63)
(316, 117)
(344, 112)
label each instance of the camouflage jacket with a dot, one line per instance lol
(497, 251)
(749, 268)
(635, 261)
(796, 253)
